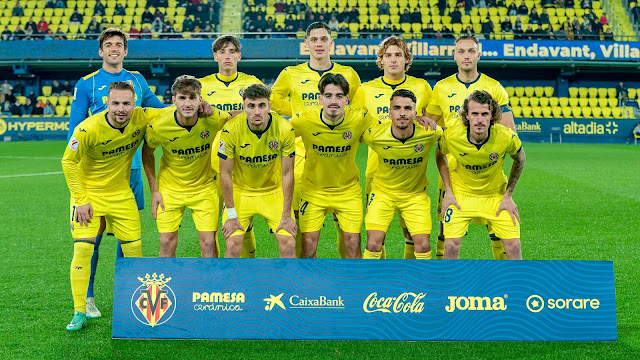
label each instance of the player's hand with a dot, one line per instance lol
(205, 109)
(156, 199)
(508, 205)
(84, 214)
(230, 226)
(288, 224)
(448, 200)
(426, 122)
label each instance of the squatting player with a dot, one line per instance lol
(394, 58)
(300, 83)
(446, 100)
(331, 179)
(257, 156)
(223, 90)
(479, 190)
(186, 178)
(90, 97)
(96, 165)
(400, 181)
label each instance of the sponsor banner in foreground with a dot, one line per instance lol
(364, 300)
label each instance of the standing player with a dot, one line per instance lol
(186, 178)
(331, 179)
(394, 58)
(477, 190)
(96, 166)
(90, 97)
(224, 91)
(446, 100)
(300, 84)
(259, 149)
(400, 181)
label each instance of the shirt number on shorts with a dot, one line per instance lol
(447, 215)
(303, 207)
(371, 199)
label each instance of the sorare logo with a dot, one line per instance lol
(154, 302)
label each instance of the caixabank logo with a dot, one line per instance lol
(154, 302)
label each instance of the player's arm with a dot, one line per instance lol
(226, 154)
(502, 98)
(358, 100)
(443, 168)
(507, 202)
(432, 113)
(287, 223)
(149, 164)
(508, 120)
(79, 107)
(279, 92)
(76, 148)
(354, 86)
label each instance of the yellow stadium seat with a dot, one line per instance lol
(539, 91)
(510, 91)
(557, 111)
(60, 110)
(596, 112)
(515, 101)
(632, 93)
(109, 11)
(546, 112)
(593, 92)
(612, 92)
(593, 102)
(524, 101)
(586, 112)
(526, 111)
(536, 111)
(583, 92)
(576, 112)
(519, 91)
(58, 12)
(617, 113)
(534, 101)
(602, 92)
(42, 98)
(544, 102)
(457, 28)
(570, 12)
(603, 102)
(613, 103)
(566, 112)
(528, 90)
(583, 102)
(53, 99)
(152, 88)
(63, 100)
(517, 111)
(46, 90)
(573, 92)
(548, 91)
(573, 102)
(606, 113)
(553, 101)
(563, 101)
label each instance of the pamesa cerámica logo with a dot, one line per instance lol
(154, 302)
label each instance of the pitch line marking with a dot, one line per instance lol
(31, 157)
(37, 174)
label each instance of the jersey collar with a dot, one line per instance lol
(467, 84)
(320, 72)
(260, 133)
(113, 127)
(188, 128)
(105, 72)
(478, 146)
(226, 80)
(334, 125)
(389, 82)
(403, 140)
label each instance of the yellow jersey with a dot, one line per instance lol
(402, 164)
(98, 157)
(257, 165)
(449, 94)
(185, 165)
(479, 167)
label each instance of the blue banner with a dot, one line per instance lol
(614, 131)
(33, 128)
(268, 49)
(271, 299)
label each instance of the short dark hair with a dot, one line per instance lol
(483, 98)
(111, 32)
(333, 79)
(121, 85)
(222, 41)
(256, 91)
(318, 25)
(405, 94)
(186, 84)
(466, 37)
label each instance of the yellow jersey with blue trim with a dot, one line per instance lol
(185, 165)
(97, 159)
(257, 165)
(402, 163)
(479, 166)
(331, 149)
(375, 95)
(449, 94)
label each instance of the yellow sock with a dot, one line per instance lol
(409, 249)
(131, 248)
(440, 248)
(371, 255)
(249, 245)
(80, 273)
(497, 248)
(342, 250)
(423, 256)
(383, 252)
(298, 240)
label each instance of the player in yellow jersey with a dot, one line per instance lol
(299, 84)
(478, 189)
(331, 179)
(223, 90)
(400, 181)
(394, 58)
(446, 100)
(96, 164)
(186, 178)
(257, 152)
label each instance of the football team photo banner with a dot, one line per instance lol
(269, 299)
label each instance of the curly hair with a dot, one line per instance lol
(483, 98)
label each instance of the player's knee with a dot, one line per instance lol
(131, 248)
(512, 249)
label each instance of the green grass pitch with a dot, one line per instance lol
(577, 202)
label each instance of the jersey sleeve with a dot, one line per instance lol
(354, 85)
(226, 148)
(442, 143)
(427, 93)
(75, 150)
(279, 92)
(358, 101)
(289, 143)
(149, 99)
(221, 118)
(367, 136)
(79, 106)
(514, 144)
(296, 123)
(501, 96)
(434, 103)
(151, 137)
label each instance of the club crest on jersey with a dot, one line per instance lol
(494, 156)
(241, 92)
(135, 133)
(273, 145)
(154, 302)
(347, 135)
(204, 134)
(418, 148)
